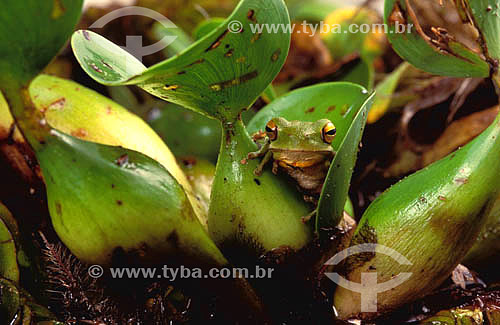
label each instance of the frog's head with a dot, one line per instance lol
(301, 136)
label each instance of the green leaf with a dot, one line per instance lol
(73, 109)
(31, 34)
(182, 41)
(187, 133)
(460, 62)
(432, 218)
(485, 14)
(384, 91)
(344, 104)
(311, 11)
(336, 187)
(9, 268)
(10, 302)
(119, 201)
(206, 27)
(487, 246)
(362, 74)
(219, 76)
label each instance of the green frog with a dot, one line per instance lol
(301, 149)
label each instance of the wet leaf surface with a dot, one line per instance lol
(27, 48)
(219, 76)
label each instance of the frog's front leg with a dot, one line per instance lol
(259, 153)
(263, 151)
(265, 160)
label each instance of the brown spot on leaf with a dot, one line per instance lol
(122, 160)
(331, 108)
(80, 133)
(107, 65)
(310, 110)
(199, 61)
(119, 202)
(218, 41)
(58, 9)
(58, 104)
(96, 68)
(59, 209)
(276, 55)
(396, 15)
(462, 181)
(235, 82)
(255, 37)
(251, 15)
(344, 110)
(229, 53)
(86, 35)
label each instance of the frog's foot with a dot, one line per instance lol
(265, 160)
(258, 171)
(307, 218)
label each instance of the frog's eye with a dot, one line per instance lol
(328, 132)
(272, 131)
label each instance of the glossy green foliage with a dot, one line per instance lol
(311, 11)
(17, 307)
(31, 33)
(362, 74)
(219, 76)
(419, 51)
(116, 201)
(181, 42)
(10, 301)
(73, 109)
(8, 250)
(346, 106)
(432, 218)
(186, 132)
(201, 174)
(206, 27)
(384, 91)
(486, 249)
(485, 15)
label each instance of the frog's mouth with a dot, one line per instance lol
(302, 159)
